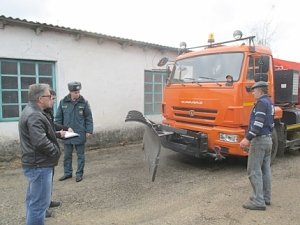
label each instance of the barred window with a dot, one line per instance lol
(154, 82)
(16, 76)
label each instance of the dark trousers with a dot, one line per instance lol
(68, 151)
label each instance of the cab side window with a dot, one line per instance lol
(253, 67)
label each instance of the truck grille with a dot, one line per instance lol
(195, 115)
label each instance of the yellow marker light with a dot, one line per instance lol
(248, 103)
(211, 38)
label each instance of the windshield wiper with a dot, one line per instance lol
(207, 78)
(189, 78)
(192, 79)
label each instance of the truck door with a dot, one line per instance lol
(253, 71)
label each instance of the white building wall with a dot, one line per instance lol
(112, 75)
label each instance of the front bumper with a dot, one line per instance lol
(186, 142)
(190, 143)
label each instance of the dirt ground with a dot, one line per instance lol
(117, 190)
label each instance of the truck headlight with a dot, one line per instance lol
(233, 138)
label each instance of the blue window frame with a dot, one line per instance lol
(15, 78)
(154, 82)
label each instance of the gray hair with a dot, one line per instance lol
(264, 89)
(36, 91)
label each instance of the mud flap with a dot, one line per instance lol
(152, 147)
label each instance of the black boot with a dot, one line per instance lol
(54, 204)
(48, 213)
(64, 177)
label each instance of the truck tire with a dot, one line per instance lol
(281, 141)
(274, 146)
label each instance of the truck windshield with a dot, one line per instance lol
(208, 68)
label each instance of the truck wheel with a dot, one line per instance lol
(281, 141)
(274, 146)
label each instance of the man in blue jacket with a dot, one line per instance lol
(259, 141)
(75, 112)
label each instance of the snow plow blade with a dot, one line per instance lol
(151, 140)
(152, 147)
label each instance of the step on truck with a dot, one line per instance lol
(207, 100)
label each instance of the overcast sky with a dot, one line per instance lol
(168, 22)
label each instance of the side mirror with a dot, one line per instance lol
(163, 61)
(168, 79)
(169, 71)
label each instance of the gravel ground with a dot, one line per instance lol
(117, 190)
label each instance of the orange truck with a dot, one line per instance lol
(206, 114)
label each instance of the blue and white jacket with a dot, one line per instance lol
(261, 118)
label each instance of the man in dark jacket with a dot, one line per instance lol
(75, 112)
(259, 140)
(40, 152)
(57, 128)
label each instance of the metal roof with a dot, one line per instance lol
(40, 27)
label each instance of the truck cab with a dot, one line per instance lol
(208, 100)
(209, 114)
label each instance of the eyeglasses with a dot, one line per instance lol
(49, 96)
